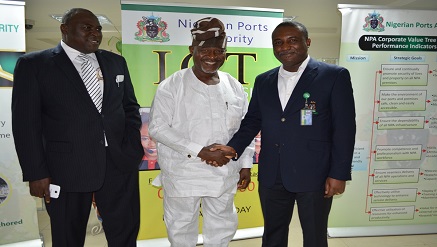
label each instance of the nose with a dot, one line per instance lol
(285, 46)
(152, 144)
(210, 53)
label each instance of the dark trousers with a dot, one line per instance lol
(277, 206)
(118, 205)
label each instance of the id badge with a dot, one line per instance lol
(306, 117)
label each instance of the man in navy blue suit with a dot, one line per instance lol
(65, 137)
(305, 112)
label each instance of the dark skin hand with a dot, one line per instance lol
(334, 187)
(226, 150)
(245, 176)
(40, 188)
(214, 158)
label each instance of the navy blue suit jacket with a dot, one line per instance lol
(305, 155)
(57, 129)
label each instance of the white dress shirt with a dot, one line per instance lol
(187, 115)
(287, 81)
(77, 62)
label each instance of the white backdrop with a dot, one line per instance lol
(18, 218)
(392, 57)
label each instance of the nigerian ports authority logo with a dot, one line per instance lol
(152, 29)
(373, 22)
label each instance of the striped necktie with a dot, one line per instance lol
(89, 77)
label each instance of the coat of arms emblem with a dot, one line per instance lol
(373, 23)
(152, 29)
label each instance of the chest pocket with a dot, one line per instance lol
(234, 107)
(234, 114)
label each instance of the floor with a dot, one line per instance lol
(96, 237)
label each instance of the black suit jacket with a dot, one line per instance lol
(57, 129)
(305, 155)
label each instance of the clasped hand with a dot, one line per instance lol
(217, 154)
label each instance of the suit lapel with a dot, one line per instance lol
(305, 82)
(64, 63)
(272, 88)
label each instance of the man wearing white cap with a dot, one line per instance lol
(193, 108)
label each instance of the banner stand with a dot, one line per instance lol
(241, 234)
(391, 56)
(18, 215)
(371, 231)
(31, 243)
(155, 41)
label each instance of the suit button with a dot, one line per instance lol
(189, 156)
(283, 119)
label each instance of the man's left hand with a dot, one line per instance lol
(244, 178)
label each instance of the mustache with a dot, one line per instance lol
(282, 53)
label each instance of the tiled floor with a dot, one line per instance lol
(295, 239)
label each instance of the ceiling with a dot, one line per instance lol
(320, 16)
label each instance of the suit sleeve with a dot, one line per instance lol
(132, 116)
(344, 127)
(130, 105)
(26, 121)
(250, 125)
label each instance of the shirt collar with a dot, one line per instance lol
(73, 53)
(287, 74)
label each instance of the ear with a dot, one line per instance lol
(308, 42)
(191, 48)
(63, 28)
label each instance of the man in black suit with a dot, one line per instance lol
(305, 111)
(64, 137)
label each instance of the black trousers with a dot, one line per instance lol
(277, 206)
(118, 205)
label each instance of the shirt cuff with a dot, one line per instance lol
(193, 150)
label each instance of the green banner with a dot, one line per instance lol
(155, 45)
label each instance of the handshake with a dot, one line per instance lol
(217, 154)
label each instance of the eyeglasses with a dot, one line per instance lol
(207, 51)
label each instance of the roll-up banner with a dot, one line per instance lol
(155, 44)
(392, 57)
(18, 217)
